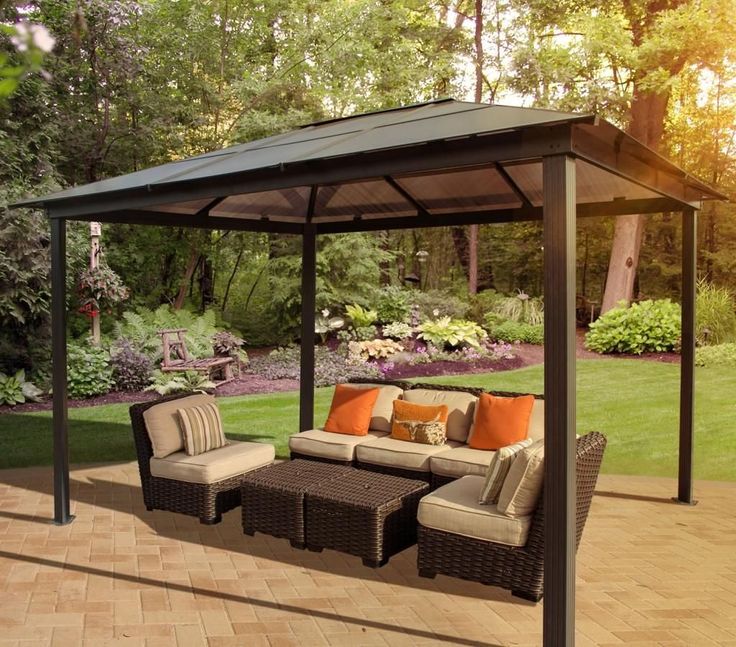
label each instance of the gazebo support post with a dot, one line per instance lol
(687, 357)
(62, 515)
(309, 289)
(559, 395)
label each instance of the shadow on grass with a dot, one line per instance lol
(27, 440)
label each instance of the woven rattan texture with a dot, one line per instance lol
(204, 500)
(370, 515)
(519, 569)
(395, 471)
(273, 498)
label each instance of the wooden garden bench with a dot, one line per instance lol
(174, 343)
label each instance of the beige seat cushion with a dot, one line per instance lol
(454, 508)
(325, 444)
(216, 465)
(461, 409)
(400, 453)
(536, 421)
(461, 461)
(384, 406)
(521, 489)
(163, 426)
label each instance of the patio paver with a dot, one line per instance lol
(650, 572)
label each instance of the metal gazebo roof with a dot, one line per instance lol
(442, 162)
(439, 163)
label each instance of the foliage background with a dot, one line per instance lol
(130, 84)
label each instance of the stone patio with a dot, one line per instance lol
(650, 572)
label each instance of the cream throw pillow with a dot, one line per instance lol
(202, 428)
(520, 491)
(498, 469)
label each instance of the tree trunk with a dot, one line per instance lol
(188, 273)
(648, 111)
(473, 229)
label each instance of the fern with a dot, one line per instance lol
(189, 381)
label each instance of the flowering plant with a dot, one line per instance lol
(100, 287)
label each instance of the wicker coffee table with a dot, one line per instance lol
(321, 505)
(367, 514)
(273, 497)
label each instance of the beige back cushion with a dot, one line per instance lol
(162, 423)
(536, 421)
(521, 489)
(383, 409)
(461, 407)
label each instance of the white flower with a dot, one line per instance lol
(32, 34)
(325, 313)
(436, 312)
(42, 38)
(20, 40)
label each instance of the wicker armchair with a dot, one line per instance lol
(518, 569)
(207, 501)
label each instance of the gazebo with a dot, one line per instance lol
(427, 165)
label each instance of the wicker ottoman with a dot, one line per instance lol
(273, 497)
(364, 513)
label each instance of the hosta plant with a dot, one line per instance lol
(14, 389)
(453, 333)
(360, 316)
(398, 330)
(648, 326)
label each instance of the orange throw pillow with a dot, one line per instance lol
(411, 412)
(351, 410)
(500, 422)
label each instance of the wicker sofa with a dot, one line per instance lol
(458, 536)
(380, 453)
(202, 486)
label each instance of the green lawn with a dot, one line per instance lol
(635, 403)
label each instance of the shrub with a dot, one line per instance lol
(720, 355)
(482, 303)
(225, 344)
(397, 330)
(330, 367)
(89, 371)
(14, 389)
(648, 326)
(360, 316)
(452, 332)
(131, 370)
(715, 315)
(438, 303)
(392, 304)
(186, 382)
(512, 331)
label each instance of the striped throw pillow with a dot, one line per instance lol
(498, 469)
(202, 428)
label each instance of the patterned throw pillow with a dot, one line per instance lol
(418, 423)
(202, 428)
(498, 469)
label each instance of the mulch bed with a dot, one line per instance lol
(246, 384)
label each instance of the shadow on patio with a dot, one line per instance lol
(648, 574)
